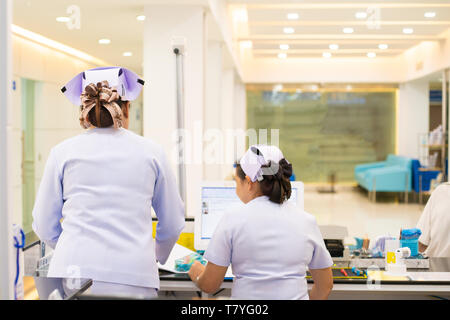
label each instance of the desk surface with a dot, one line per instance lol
(436, 265)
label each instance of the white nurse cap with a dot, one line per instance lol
(258, 156)
(127, 83)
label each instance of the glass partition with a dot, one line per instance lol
(326, 131)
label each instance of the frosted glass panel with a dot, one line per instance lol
(326, 132)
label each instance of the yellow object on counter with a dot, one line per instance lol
(381, 275)
(186, 239)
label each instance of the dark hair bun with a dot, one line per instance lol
(277, 185)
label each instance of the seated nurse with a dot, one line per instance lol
(269, 242)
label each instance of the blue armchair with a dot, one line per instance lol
(392, 175)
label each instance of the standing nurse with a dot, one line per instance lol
(94, 202)
(269, 242)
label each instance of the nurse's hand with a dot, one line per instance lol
(196, 270)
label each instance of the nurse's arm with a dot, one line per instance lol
(422, 247)
(323, 283)
(47, 211)
(208, 278)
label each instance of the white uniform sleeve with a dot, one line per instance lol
(169, 209)
(424, 223)
(47, 211)
(220, 246)
(321, 258)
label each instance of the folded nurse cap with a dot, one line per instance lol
(127, 83)
(258, 156)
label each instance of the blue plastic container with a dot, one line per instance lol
(412, 244)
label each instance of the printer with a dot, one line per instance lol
(333, 237)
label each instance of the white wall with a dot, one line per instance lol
(163, 23)
(55, 117)
(412, 116)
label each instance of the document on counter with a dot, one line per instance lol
(429, 276)
(178, 252)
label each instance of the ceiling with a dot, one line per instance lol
(260, 25)
(320, 23)
(112, 19)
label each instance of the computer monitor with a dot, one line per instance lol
(218, 198)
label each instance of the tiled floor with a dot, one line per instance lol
(350, 207)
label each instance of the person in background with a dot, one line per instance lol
(102, 184)
(269, 242)
(435, 224)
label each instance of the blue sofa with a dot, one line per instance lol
(392, 175)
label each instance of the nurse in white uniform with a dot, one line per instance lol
(94, 202)
(435, 224)
(268, 242)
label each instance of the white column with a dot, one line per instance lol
(163, 23)
(212, 115)
(412, 116)
(227, 115)
(6, 246)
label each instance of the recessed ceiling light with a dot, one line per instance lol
(63, 19)
(334, 46)
(347, 30)
(349, 87)
(292, 16)
(104, 41)
(140, 18)
(371, 54)
(430, 14)
(246, 44)
(127, 54)
(288, 30)
(408, 30)
(282, 55)
(361, 15)
(383, 46)
(326, 55)
(284, 46)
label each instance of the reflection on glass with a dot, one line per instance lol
(328, 131)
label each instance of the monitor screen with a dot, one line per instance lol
(217, 200)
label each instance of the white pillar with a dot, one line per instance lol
(6, 246)
(163, 23)
(212, 115)
(412, 116)
(227, 115)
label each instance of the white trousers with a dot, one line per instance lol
(109, 289)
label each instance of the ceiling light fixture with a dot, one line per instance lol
(292, 16)
(347, 30)
(430, 14)
(140, 18)
(284, 46)
(56, 45)
(361, 15)
(63, 19)
(288, 30)
(408, 30)
(334, 46)
(282, 55)
(127, 54)
(246, 44)
(383, 46)
(326, 55)
(104, 41)
(371, 54)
